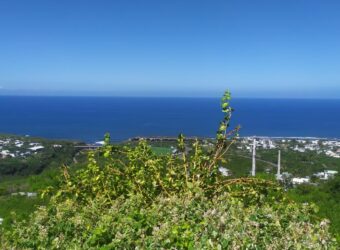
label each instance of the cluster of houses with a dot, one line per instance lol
(12, 148)
(303, 145)
(264, 143)
(330, 148)
(324, 175)
(15, 148)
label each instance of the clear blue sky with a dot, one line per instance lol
(273, 48)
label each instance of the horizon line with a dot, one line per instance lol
(184, 97)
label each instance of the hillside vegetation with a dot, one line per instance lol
(326, 196)
(132, 198)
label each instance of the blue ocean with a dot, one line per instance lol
(89, 118)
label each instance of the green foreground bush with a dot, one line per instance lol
(131, 198)
(179, 222)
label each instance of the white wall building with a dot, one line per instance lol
(326, 175)
(297, 180)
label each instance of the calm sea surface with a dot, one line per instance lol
(88, 118)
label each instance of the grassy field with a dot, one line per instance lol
(161, 150)
(17, 208)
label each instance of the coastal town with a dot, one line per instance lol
(328, 147)
(12, 147)
(319, 146)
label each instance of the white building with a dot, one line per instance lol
(332, 154)
(224, 171)
(18, 143)
(30, 195)
(5, 153)
(326, 175)
(297, 181)
(301, 150)
(332, 172)
(35, 148)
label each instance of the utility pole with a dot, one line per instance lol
(278, 175)
(253, 169)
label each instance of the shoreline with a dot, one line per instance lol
(170, 138)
